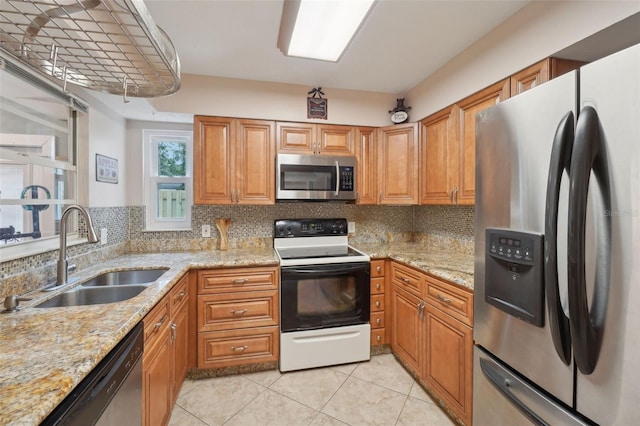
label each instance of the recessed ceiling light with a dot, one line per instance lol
(320, 29)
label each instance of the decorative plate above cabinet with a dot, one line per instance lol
(110, 46)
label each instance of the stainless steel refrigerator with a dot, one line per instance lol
(557, 251)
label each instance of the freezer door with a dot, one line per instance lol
(610, 394)
(513, 152)
(500, 397)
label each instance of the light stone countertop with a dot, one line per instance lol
(46, 352)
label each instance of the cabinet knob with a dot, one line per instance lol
(378, 286)
(182, 294)
(378, 269)
(379, 338)
(378, 321)
(377, 304)
(405, 279)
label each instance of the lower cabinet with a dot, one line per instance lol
(432, 335)
(165, 359)
(237, 317)
(377, 317)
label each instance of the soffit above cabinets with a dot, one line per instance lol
(109, 46)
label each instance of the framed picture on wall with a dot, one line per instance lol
(106, 169)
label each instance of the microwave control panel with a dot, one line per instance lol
(346, 178)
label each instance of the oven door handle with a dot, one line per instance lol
(329, 268)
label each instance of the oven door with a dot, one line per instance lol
(324, 296)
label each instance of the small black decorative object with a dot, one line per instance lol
(317, 106)
(400, 113)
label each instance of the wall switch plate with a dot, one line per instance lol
(103, 236)
(351, 227)
(206, 231)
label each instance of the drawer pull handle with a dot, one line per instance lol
(182, 294)
(157, 325)
(378, 269)
(240, 281)
(378, 286)
(377, 304)
(378, 320)
(239, 312)
(239, 348)
(444, 299)
(405, 279)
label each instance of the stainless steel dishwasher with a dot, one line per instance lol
(112, 393)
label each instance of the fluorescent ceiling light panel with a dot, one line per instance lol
(322, 28)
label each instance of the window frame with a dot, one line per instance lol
(150, 139)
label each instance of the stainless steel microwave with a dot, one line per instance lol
(315, 178)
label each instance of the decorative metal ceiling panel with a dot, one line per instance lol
(110, 46)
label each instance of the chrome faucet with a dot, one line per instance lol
(91, 237)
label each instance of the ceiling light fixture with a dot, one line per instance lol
(320, 29)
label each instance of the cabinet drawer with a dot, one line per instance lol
(377, 337)
(377, 268)
(237, 310)
(234, 280)
(377, 303)
(179, 293)
(156, 322)
(377, 319)
(450, 299)
(377, 286)
(406, 278)
(236, 347)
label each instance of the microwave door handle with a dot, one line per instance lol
(337, 179)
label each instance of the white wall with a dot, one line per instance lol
(537, 31)
(135, 182)
(201, 95)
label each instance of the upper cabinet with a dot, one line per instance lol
(464, 192)
(398, 164)
(541, 72)
(366, 170)
(316, 139)
(234, 161)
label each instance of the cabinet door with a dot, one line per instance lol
(367, 175)
(407, 326)
(469, 107)
(335, 140)
(530, 77)
(448, 361)
(439, 156)
(157, 382)
(180, 338)
(398, 164)
(295, 138)
(255, 162)
(212, 165)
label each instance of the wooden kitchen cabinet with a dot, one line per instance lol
(439, 156)
(234, 161)
(398, 164)
(377, 289)
(433, 336)
(464, 192)
(366, 170)
(315, 139)
(541, 72)
(238, 317)
(165, 359)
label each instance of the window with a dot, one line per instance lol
(38, 173)
(168, 183)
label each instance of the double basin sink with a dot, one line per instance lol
(109, 287)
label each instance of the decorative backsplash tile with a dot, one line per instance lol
(251, 226)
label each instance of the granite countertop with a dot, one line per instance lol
(46, 352)
(449, 265)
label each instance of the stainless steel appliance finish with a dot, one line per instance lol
(111, 395)
(324, 294)
(315, 178)
(561, 162)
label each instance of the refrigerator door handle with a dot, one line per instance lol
(587, 326)
(560, 161)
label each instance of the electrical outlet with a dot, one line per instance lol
(351, 227)
(103, 236)
(206, 231)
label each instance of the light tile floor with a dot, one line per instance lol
(377, 392)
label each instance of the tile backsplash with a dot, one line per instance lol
(251, 226)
